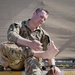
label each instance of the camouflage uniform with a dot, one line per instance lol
(24, 55)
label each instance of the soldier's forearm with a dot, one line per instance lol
(38, 54)
(45, 54)
(23, 41)
(52, 61)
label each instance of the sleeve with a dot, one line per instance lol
(13, 32)
(45, 40)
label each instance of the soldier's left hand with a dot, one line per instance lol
(57, 70)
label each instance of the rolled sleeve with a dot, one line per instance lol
(13, 32)
(13, 37)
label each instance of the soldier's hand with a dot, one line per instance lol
(57, 70)
(51, 51)
(54, 71)
(35, 45)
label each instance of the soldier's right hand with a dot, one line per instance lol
(35, 45)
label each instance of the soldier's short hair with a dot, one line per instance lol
(40, 9)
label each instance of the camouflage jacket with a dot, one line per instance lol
(17, 30)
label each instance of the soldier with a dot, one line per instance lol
(28, 43)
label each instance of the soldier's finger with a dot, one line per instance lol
(38, 42)
(39, 48)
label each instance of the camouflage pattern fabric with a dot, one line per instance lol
(32, 66)
(13, 55)
(1, 68)
(19, 56)
(16, 59)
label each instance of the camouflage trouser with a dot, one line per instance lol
(32, 66)
(17, 58)
(11, 56)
